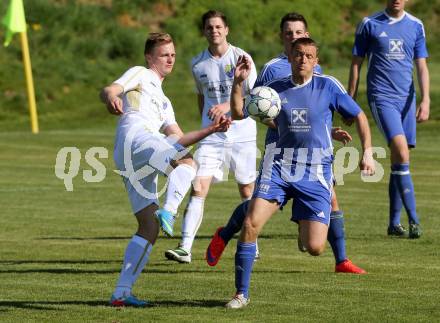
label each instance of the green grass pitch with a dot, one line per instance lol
(61, 251)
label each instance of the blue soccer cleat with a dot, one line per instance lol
(166, 221)
(129, 301)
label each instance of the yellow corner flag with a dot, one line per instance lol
(14, 20)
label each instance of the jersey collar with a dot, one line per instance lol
(298, 86)
(155, 78)
(226, 53)
(393, 20)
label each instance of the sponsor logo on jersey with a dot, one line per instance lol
(203, 76)
(164, 105)
(395, 49)
(383, 34)
(284, 101)
(229, 70)
(220, 89)
(299, 122)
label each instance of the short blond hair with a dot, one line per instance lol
(156, 39)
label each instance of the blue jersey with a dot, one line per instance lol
(277, 68)
(391, 45)
(305, 119)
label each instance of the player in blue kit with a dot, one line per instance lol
(392, 39)
(299, 165)
(292, 26)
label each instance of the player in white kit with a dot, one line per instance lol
(213, 72)
(150, 142)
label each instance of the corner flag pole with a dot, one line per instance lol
(15, 22)
(29, 82)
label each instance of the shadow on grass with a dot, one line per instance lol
(84, 238)
(85, 262)
(165, 271)
(176, 237)
(190, 303)
(47, 305)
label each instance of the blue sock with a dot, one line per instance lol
(406, 190)
(235, 222)
(244, 261)
(395, 201)
(336, 236)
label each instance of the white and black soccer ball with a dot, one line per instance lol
(263, 103)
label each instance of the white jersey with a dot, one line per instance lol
(144, 103)
(214, 77)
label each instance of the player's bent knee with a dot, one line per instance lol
(185, 160)
(399, 149)
(315, 249)
(249, 229)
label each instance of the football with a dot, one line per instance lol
(263, 103)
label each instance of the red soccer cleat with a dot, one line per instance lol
(215, 248)
(349, 268)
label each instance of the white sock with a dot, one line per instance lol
(179, 182)
(191, 221)
(135, 259)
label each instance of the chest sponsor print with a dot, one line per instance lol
(299, 120)
(395, 49)
(220, 89)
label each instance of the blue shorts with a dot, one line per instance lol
(310, 187)
(395, 117)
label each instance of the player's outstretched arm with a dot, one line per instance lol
(353, 79)
(423, 78)
(241, 73)
(221, 124)
(367, 162)
(110, 96)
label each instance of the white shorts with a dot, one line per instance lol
(216, 159)
(140, 157)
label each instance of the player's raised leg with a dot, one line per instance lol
(224, 234)
(179, 182)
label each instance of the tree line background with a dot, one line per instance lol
(79, 46)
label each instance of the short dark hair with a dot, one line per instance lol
(213, 14)
(156, 39)
(306, 42)
(293, 16)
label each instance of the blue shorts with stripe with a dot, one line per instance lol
(309, 186)
(395, 117)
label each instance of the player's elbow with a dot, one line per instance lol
(237, 116)
(361, 118)
(103, 94)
